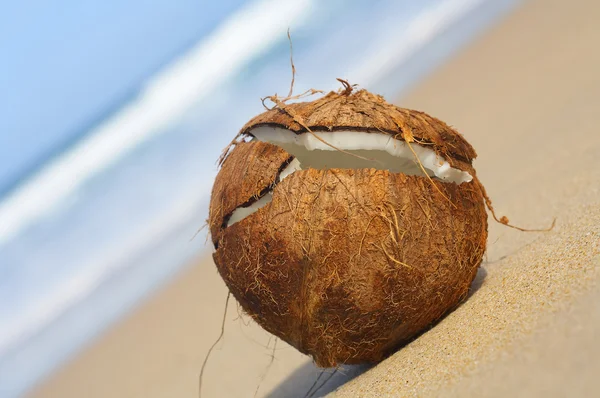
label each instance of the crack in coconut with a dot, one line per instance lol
(374, 150)
(244, 211)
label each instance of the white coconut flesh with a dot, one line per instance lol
(373, 150)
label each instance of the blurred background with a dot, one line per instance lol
(112, 116)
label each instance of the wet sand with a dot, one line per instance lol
(527, 96)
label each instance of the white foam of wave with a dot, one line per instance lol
(76, 287)
(242, 37)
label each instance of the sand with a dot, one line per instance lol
(526, 95)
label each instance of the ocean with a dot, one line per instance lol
(115, 215)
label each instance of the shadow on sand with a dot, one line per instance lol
(311, 381)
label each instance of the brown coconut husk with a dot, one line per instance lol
(245, 176)
(343, 264)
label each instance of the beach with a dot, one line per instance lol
(526, 95)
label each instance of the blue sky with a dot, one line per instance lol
(66, 64)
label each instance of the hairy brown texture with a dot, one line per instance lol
(247, 174)
(364, 111)
(346, 265)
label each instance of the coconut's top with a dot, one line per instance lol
(364, 111)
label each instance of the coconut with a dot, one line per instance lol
(347, 225)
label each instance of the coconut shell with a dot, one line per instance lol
(346, 265)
